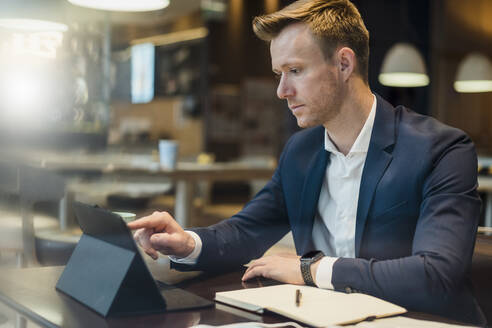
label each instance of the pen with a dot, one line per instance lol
(298, 297)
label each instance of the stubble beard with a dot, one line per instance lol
(333, 107)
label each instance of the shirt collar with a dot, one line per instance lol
(361, 144)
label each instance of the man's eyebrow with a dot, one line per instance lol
(290, 64)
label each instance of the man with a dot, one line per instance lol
(387, 195)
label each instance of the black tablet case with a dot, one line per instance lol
(107, 273)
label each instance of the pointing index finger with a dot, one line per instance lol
(158, 221)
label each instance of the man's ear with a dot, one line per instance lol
(346, 62)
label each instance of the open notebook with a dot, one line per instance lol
(317, 307)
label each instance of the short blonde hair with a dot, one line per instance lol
(334, 23)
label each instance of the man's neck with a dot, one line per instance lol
(345, 128)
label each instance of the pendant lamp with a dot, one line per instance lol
(403, 66)
(122, 5)
(474, 74)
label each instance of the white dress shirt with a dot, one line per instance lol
(334, 224)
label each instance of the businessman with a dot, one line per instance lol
(380, 200)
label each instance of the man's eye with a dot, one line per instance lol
(294, 70)
(277, 76)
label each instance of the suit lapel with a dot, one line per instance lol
(378, 158)
(309, 199)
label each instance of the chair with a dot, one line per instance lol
(480, 274)
(35, 239)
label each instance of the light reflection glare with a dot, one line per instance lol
(42, 44)
(24, 95)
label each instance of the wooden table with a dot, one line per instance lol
(31, 292)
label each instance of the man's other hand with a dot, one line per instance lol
(282, 267)
(159, 232)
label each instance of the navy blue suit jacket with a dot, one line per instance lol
(417, 215)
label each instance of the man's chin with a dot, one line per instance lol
(304, 124)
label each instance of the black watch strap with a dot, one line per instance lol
(306, 261)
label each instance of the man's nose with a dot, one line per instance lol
(284, 89)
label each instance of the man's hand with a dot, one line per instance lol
(282, 267)
(159, 232)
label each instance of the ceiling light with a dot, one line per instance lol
(122, 5)
(33, 16)
(37, 25)
(403, 66)
(474, 74)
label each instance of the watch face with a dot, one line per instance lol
(311, 254)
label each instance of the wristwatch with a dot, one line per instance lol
(306, 261)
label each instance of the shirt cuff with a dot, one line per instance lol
(192, 258)
(324, 272)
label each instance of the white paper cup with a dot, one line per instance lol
(168, 153)
(126, 216)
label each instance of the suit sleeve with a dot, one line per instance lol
(434, 274)
(247, 235)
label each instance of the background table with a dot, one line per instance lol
(186, 175)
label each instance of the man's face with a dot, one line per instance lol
(309, 82)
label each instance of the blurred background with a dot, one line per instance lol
(89, 88)
(193, 71)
